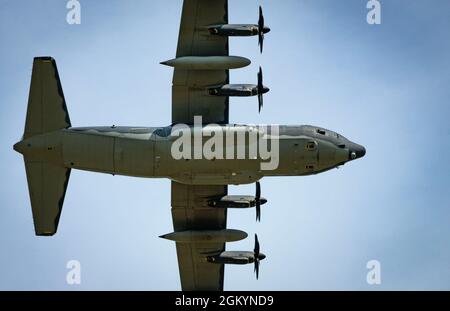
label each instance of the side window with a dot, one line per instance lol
(311, 145)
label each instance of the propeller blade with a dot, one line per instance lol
(260, 102)
(258, 191)
(261, 19)
(258, 201)
(260, 80)
(256, 249)
(261, 29)
(256, 256)
(261, 41)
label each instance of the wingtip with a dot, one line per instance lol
(44, 58)
(45, 233)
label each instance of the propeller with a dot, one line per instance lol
(261, 29)
(258, 201)
(261, 89)
(256, 256)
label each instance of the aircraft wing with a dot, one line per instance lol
(189, 98)
(190, 211)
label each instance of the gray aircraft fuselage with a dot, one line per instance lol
(146, 152)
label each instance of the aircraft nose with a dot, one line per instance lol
(266, 29)
(265, 89)
(261, 256)
(356, 151)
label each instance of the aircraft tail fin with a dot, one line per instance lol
(47, 110)
(47, 184)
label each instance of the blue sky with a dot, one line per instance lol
(383, 86)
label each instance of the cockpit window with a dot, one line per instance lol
(163, 132)
(321, 131)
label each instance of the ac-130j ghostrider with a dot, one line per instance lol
(52, 147)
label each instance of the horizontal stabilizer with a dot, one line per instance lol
(47, 109)
(47, 184)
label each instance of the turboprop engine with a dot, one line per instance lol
(239, 258)
(242, 30)
(242, 90)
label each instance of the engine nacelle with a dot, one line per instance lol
(234, 30)
(235, 201)
(234, 258)
(240, 90)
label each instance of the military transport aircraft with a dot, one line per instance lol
(52, 147)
